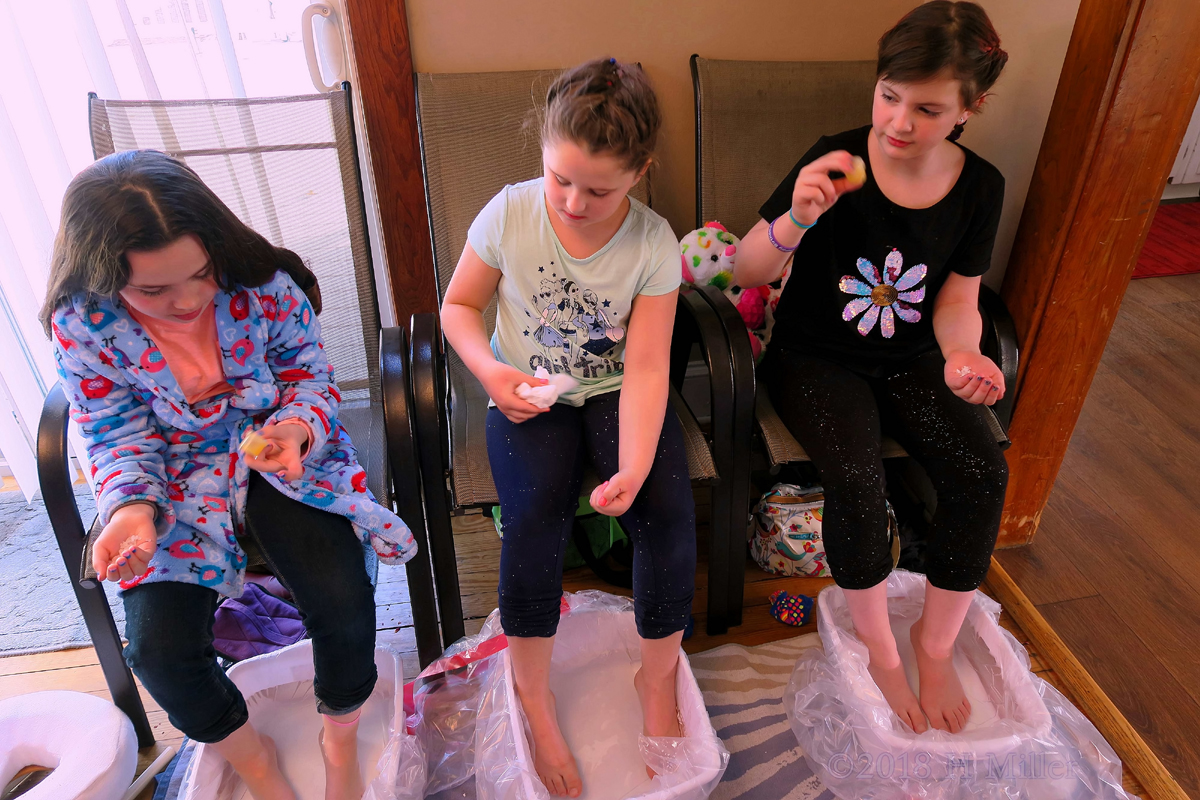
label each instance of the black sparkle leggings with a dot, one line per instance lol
(836, 415)
(538, 467)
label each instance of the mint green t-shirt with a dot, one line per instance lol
(566, 314)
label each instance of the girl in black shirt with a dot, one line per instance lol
(879, 324)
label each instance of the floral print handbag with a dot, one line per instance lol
(786, 534)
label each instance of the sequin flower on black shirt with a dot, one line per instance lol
(884, 298)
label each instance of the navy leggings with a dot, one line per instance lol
(836, 416)
(538, 467)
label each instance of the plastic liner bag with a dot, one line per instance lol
(278, 688)
(442, 703)
(596, 654)
(1022, 740)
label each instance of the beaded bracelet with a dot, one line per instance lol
(774, 241)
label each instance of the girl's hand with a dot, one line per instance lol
(614, 497)
(501, 382)
(815, 191)
(974, 377)
(282, 454)
(123, 549)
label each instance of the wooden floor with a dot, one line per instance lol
(1115, 564)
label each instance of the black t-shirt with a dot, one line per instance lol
(864, 278)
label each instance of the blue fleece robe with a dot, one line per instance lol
(146, 442)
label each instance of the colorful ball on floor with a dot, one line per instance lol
(791, 609)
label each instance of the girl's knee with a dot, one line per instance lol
(529, 617)
(658, 619)
(346, 613)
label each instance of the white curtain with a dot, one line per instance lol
(52, 53)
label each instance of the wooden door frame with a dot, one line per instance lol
(1124, 99)
(383, 55)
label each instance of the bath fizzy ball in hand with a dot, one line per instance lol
(253, 444)
(858, 175)
(791, 609)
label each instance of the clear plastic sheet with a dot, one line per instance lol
(1023, 739)
(596, 654)
(278, 688)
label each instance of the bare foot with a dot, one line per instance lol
(343, 781)
(551, 756)
(660, 714)
(942, 695)
(261, 774)
(892, 681)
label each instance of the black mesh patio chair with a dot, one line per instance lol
(288, 167)
(474, 141)
(754, 120)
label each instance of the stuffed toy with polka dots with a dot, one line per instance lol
(709, 254)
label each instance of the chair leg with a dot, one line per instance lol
(406, 486)
(737, 475)
(55, 481)
(428, 368)
(695, 313)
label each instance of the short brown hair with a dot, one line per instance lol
(605, 106)
(944, 37)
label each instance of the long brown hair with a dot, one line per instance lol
(144, 200)
(944, 37)
(605, 106)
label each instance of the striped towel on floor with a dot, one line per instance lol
(743, 690)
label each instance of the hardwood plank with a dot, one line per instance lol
(1152, 491)
(1155, 603)
(1170, 725)
(1123, 102)
(41, 662)
(1086, 692)
(1043, 570)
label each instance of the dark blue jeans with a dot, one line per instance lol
(318, 557)
(538, 467)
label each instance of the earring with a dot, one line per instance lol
(962, 120)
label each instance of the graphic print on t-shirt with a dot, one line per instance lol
(884, 297)
(571, 329)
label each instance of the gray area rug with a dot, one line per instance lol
(743, 691)
(37, 602)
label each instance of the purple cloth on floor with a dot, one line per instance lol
(255, 623)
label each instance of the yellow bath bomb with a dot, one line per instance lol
(858, 175)
(253, 444)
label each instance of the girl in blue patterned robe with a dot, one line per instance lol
(146, 250)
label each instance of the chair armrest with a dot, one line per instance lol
(1000, 345)
(405, 472)
(696, 324)
(54, 478)
(741, 354)
(432, 433)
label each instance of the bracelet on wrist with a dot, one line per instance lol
(775, 242)
(798, 223)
